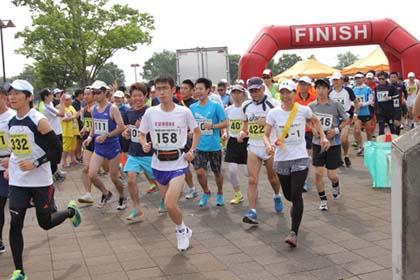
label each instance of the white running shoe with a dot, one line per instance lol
(324, 205)
(192, 193)
(183, 238)
(122, 203)
(336, 193)
(86, 198)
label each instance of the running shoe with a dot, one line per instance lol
(336, 192)
(122, 203)
(57, 177)
(360, 151)
(2, 248)
(250, 217)
(17, 275)
(324, 205)
(220, 199)
(76, 219)
(278, 204)
(162, 208)
(237, 198)
(86, 198)
(306, 187)
(183, 238)
(191, 194)
(204, 199)
(104, 199)
(347, 161)
(134, 215)
(152, 188)
(291, 239)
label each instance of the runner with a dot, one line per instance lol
(399, 101)
(384, 96)
(413, 89)
(138, 161)
(6, 114)
(70, 129)
(187, 91)
(34, 147)
(254, 117)
(168, 126)
(271, 88)
(46, 107)
(305, 94)
(344, 96)
(330, 113)
(364, 112)
(86, 112)
(236, 153)
(107, 126)
(290, 157)
(222, 90)
(211, 118)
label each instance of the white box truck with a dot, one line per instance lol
(211, 63)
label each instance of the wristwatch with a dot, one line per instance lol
(36, 163)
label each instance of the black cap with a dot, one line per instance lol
(323, 81)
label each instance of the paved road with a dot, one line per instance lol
(351, 241)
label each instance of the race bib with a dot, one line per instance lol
(203, 130)
(411, 90)
(87, 124)
(20, 144)
(3, 141)
(255, 131)
(168, 138)
(361, 98)
(396, 103)
(100, 126)
(295, 135)
(235, 126)
(382, 95)
(326, 120)
(134, 132)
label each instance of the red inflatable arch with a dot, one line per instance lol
(399, 46)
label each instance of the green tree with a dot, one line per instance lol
(234, 66)
(346, 59)
(160, 63)
(110, 73)
(28, 74)
(73, 39)
(285, 62)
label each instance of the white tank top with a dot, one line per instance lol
(25, 144)
(4, 133)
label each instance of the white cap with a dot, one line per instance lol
(67, 96)
(99, 85)
(237, 87)
(411, 75)
(287, 84)
(305, 79)
(224, 81)
(359, 75)
(267, 72)
(21, 85)
(369, 75)
(56, 90)
(119, 94)
(240, 82)
(336, 76)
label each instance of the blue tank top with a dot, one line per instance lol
(103, 123)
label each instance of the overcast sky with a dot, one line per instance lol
(195, 23)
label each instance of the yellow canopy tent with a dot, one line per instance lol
(376, 60)
(310, 67)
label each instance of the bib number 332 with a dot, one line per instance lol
(20, 144)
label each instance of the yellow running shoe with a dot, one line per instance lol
(237, 198)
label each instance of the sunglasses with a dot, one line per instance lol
(357, 78)
(381, 79)
(96, 92)
(266, 77)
